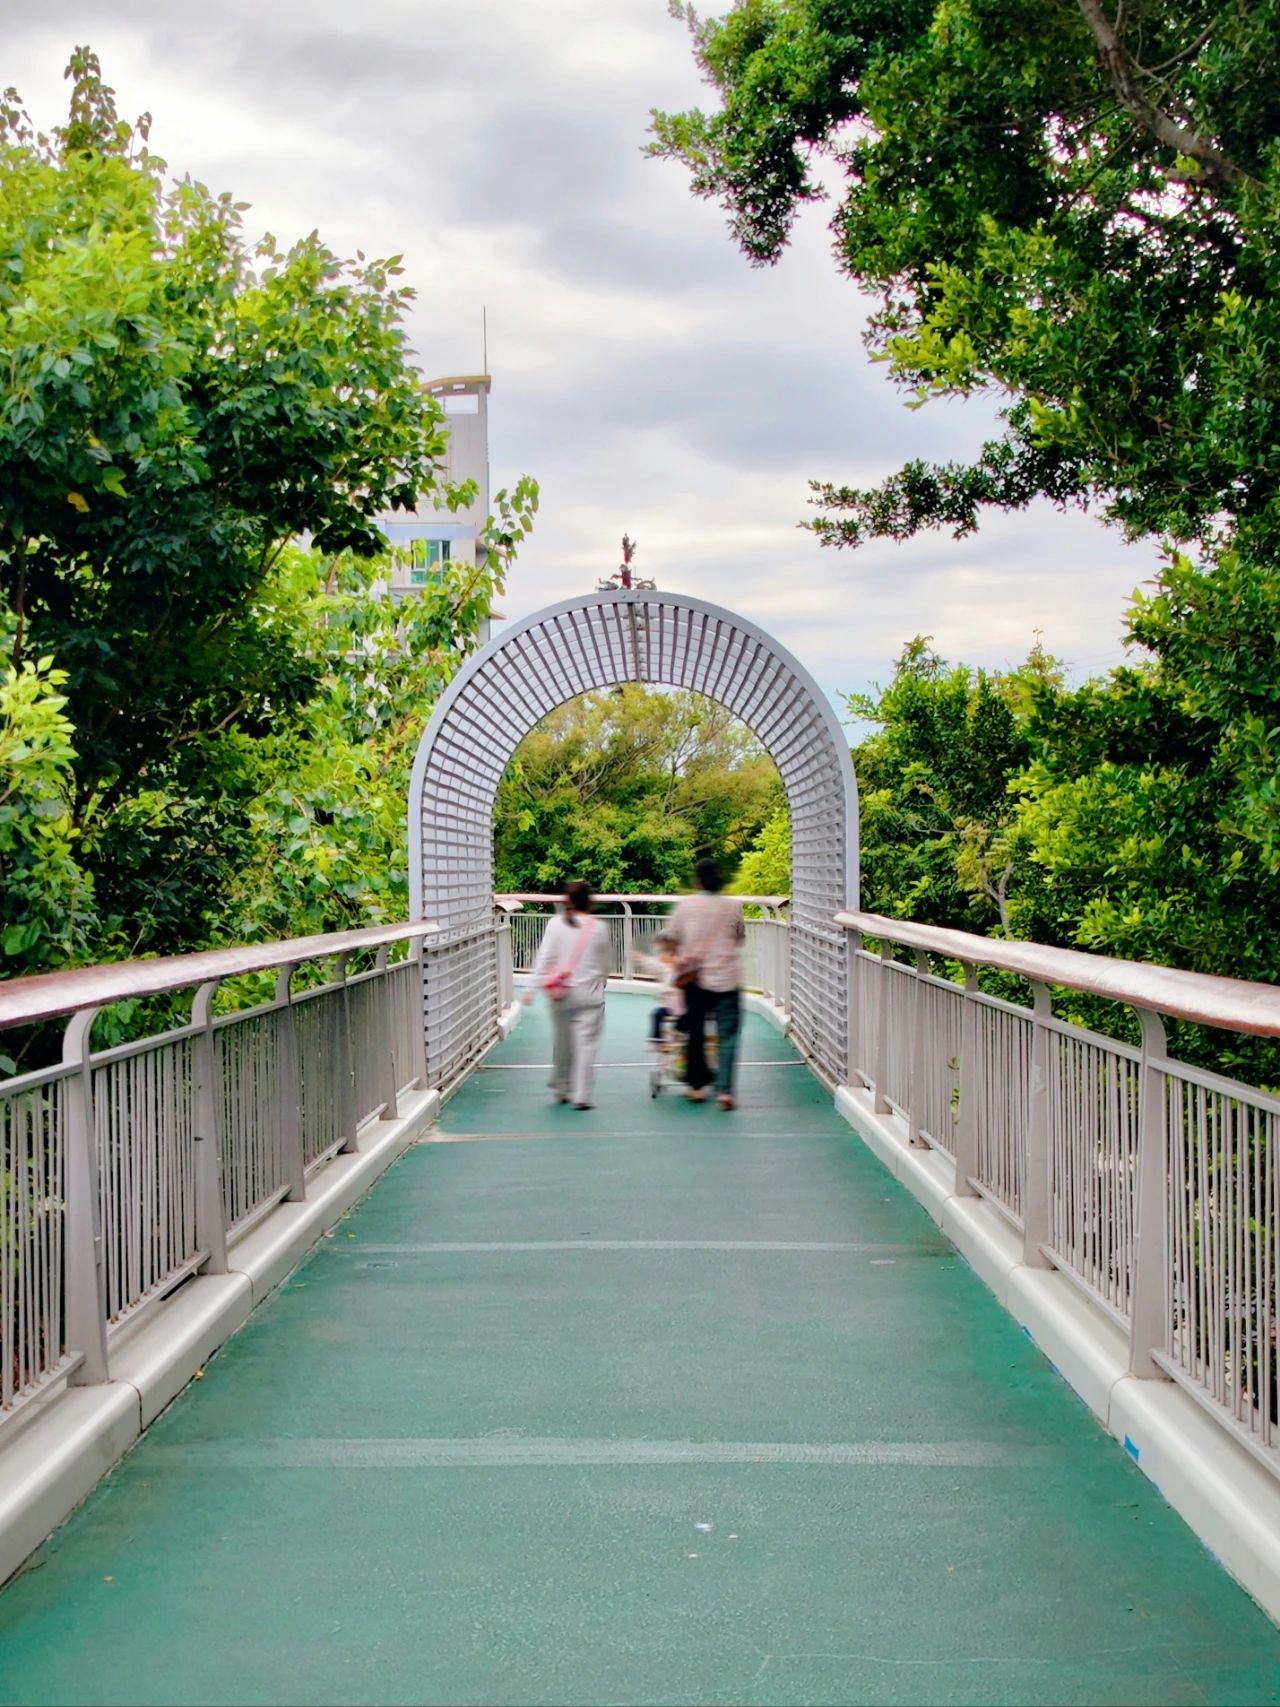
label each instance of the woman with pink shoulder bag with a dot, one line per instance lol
(570, 970)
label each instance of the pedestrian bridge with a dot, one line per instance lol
(944, 1369)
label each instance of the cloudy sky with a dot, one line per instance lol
(643, 372)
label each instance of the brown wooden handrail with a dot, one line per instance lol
(1233, 1004)
(47, 995)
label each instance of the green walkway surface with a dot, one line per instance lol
(650, 1404)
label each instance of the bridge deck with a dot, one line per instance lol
(652, 1404)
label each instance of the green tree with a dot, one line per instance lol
(1075, 210)
(934, 780)
(179, 405)
(628, 788)
(47, 912)
(766, 865)
(1072, 209)
(1150, 815)
(324, 843)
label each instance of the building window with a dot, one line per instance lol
(424, 558)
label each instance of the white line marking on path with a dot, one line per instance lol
(609, 1066)
(503, 1451)
(589, 1134)
(446, 1248)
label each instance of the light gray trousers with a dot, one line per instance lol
(576, 1029)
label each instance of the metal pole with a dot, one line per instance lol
(418, 954)
(853, 943)
(881, 1104)
(506, 968)
(967, 1127)
(628, 939)
(86, 1294)
(387, 1054)
(1035, 1186)
(211, 1213)
(918, 1047)
(1149, 1316)
(290, 1116)
(346, 1058)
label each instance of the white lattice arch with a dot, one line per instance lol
(598, 642)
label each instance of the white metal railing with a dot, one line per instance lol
(633, 922)
(124, 1170)
(1151, 1184)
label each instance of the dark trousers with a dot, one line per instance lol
(726, 1008)
(655, 1022)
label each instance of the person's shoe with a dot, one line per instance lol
(560, 1098)
(726, 1101)
(696, 1096)
(582, 1104)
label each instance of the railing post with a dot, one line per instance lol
(506, 965)
(918, 1045)
(628, 939)
(1035, 1184)
(346, 1058)
(290, 1116)
(86, 1292)
(1149, 1313)
(211, 1210)
(387, 1053)
(853, 974)
(881, 1104)
(967, 1126)
(418, 955)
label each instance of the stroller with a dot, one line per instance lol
(668, 1051)
(669, 1054)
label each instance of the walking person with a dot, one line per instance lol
(709, 931)
(570, 969)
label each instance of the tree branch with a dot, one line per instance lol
(1124, 73)
(20, 603)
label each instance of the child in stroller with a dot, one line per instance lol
(669, 1021)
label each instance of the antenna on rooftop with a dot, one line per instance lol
(484, 337)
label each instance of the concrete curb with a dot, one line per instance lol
(58, 1451)
(1230, 1500)
(57, 1457)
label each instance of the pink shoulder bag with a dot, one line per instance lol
(555, 985)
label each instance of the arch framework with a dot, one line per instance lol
(598, 642)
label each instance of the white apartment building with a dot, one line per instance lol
(421, 540)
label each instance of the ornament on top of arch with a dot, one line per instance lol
(622, 579)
